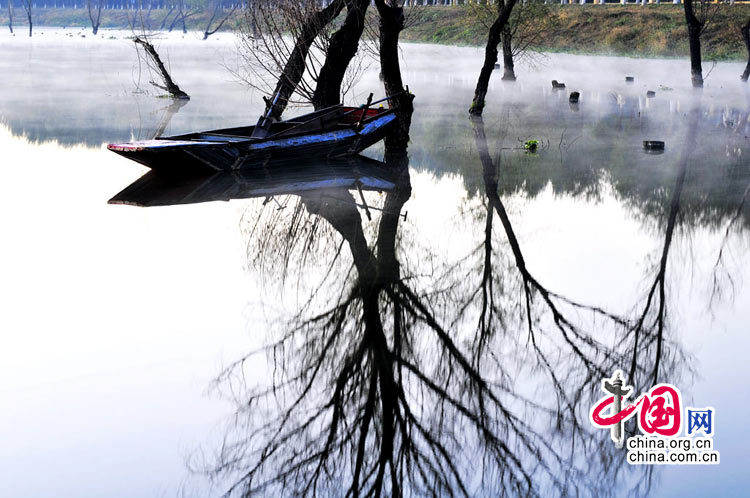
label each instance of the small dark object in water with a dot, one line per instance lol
(531, 146)
(574, 96)
(629, 79)
(653, 145)
(497, 66)
(557, 85)
(650, 94)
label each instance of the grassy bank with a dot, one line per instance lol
(650, 31)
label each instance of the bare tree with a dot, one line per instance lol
(10, 15)
(28, 6)
(490, 55)
(522, 36)
(745, 30)
(342, 47)
(391, 21)
(164, 20)
(184, 12)
(281, 44)
(214, 13)
(698, 14)
(95, 21)
(154, 62)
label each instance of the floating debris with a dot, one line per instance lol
(557, 85)
(531, 145)
(653, 146)
(650, 94)
(665, 88)
(574, 96)
(629, 79)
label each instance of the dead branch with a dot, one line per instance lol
(169, 85)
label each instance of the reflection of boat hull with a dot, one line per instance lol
(331, 133)
(157, 188)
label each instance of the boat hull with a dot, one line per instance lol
(174, 155)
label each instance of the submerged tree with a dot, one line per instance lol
(391, 22)
(184, 12)
(283, 45)
(341, 49)
(155, 63)
(522, 36)
(163, 24)
(745, 30)
(504, 10)
(10, 15)
(28, 5)
(95, 19)
(214, 13)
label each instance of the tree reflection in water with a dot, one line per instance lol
(387, 381)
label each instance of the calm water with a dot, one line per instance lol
(122, 326)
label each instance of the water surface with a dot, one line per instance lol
(121, 324)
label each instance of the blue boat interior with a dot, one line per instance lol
(330, 119)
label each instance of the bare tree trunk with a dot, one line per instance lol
(95, 22)
(177, 17)
(490, 57)
(341, 50)
(27, 5)
(509, 73)
(295, 65)
(166, 17)
(10, 15)
(208, 31)
(391, 24)
(746, 37)
(169, 85)
(694, 37)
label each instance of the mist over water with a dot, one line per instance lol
(116, 319)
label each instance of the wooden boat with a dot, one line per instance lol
(333, 132)
(159, 188)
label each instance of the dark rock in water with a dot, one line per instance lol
(557, 85)
(651, 94)
(629, 79)
(497, 66)
(574, 96)
(653, 146)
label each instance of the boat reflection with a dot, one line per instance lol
(161, 189)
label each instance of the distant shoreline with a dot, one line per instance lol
(652, 31)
